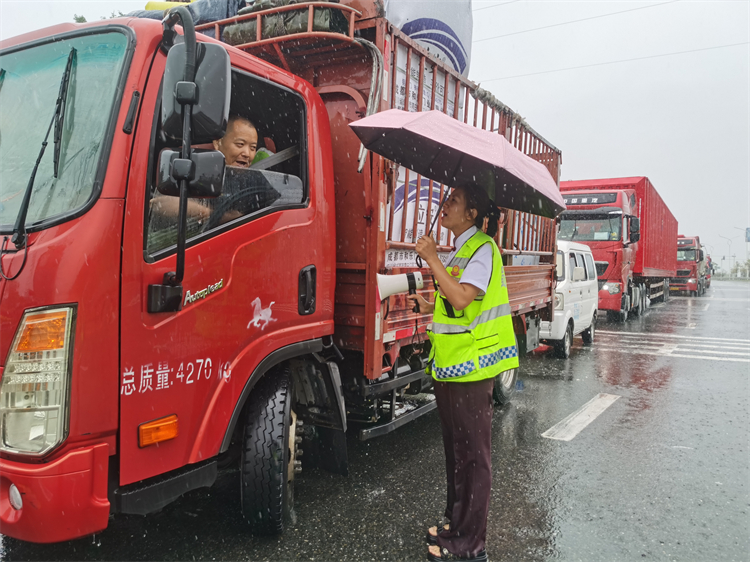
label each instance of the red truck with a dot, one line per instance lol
(693, 274)
(629, 229)
(140, 348)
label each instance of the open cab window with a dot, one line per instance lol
(266, 155)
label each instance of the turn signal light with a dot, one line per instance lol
(43, 332)
(157, 431)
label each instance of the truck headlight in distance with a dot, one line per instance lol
(612, 288)
(559, 301)
(692, 280)
(35, 386)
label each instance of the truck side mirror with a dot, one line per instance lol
(211, 93)
(206, 177)
(635, 229)
(579, 274)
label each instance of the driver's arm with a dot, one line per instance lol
(168, 206)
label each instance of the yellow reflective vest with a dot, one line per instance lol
(477, 342)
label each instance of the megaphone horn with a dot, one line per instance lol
(404, 282)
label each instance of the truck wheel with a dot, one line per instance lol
(268, 454)
(562, 347)
(505, 386)
(588, 333)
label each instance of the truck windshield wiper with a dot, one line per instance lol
(62, 100)
(18, 238)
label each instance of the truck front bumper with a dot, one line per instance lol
(691, 285)
(62, 500)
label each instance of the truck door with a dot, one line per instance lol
(245, 254)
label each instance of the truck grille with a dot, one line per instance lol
(683, 273)
(601, 267)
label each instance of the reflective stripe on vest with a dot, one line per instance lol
(485, 316)
(478, 342)
(467, 367)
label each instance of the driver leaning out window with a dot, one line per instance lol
(239, 146)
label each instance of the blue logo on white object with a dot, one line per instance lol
(438, 34)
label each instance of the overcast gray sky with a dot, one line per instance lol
(683, 120)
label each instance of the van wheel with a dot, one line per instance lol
(268, 455)
(505, 386)
(562, 347)
(588, 333)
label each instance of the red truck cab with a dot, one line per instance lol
(602, 220)
(693, 275)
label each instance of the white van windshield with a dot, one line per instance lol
(29, 90)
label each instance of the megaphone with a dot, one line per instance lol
(404, 282)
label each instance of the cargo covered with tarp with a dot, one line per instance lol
(282, 23)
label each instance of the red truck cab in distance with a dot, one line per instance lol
(693, 275)
(628, 227)
(111, 402)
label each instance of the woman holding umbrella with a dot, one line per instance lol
(472, 342)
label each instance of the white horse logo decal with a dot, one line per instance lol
(261, 316)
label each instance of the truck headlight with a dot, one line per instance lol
(34, 394)
(612, 288)
(559, 301)
(692, 280)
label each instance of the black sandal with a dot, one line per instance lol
(444, 525)
(447, 556)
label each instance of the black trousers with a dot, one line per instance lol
(465, 410)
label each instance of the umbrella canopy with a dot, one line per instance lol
(445, 150)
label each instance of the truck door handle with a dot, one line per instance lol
(307, 281)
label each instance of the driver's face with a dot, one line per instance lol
(239, 144)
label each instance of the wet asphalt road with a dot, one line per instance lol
(663, 473)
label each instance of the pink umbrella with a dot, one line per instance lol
(445, 150)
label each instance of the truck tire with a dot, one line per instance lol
(268, 454)
(588, 333)
(562, 347)
(505, 386)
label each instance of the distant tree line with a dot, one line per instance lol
(82, 19)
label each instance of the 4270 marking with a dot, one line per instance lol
(160, 376)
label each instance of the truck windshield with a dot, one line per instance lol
(591, 229)
(685, 255)
(30, 86)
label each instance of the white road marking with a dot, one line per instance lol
(691, 326)
(692, 340)
(706, 307)
(668, 348)
(663, 335)
(642, 351)
(571, 426)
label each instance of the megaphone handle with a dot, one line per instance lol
(416, 303)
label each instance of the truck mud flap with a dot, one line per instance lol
(377, 431)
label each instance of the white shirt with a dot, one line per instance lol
(479, 269)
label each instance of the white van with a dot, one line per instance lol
(576, 298)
